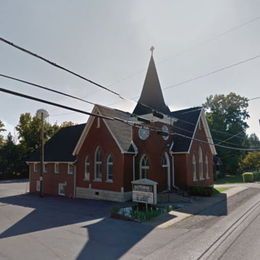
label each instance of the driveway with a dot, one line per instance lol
(59, 228)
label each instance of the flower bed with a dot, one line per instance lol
(139, 212)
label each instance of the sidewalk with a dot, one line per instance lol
(195, 206)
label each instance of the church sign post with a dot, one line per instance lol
(144, 191)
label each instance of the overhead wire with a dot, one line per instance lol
(111, 91)
(118, 119)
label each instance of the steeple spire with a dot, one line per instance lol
(151, 97)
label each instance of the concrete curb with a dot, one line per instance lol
(179, 216)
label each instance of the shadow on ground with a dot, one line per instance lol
(107, 238)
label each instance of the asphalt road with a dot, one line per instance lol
(60, 228)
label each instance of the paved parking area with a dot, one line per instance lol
(59, 228)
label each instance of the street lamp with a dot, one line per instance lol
(42, 114)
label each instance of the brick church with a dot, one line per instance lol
(100, 159)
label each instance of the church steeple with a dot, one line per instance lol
(151, 96)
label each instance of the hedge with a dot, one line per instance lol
(248, 177)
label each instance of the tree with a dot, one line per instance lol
(29, 128)
(253, 141)
(2, 129)
(66, 124)
(250, 162)
(11, 163)
(227, 116)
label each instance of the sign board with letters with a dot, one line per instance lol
(144, 191)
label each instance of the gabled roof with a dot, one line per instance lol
(186, 125)
(121, 132)
(60, 147)
(151, 96)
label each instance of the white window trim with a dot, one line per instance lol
(95, 166)
(56, 168)
(109, 164)
(194, 168)
(86, 170)
(70, 165)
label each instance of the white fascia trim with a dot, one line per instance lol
(195, 131)
(85, 132)
(208, 134)
(135, 147)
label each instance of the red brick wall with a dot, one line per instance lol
(181, 170)
(201, 135)
(154, 147)
(122, 166)
(51, 180)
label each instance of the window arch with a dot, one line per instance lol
(194, 168)
(87, 171)
(144, 166)
(201, 164)
(207, 167)
(98, 164)
(109, 168)
(166, 169)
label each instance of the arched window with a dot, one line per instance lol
(109, 168)
(87, 172)
(98, 163)
(144, 167)
(207, 167)
(201, 164)
(166, 169)
(194, 168)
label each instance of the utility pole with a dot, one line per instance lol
(42, 114)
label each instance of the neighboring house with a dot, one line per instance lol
(99, 159)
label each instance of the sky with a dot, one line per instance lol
(109, 42)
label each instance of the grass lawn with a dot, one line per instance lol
(229, 179)
(218, 190)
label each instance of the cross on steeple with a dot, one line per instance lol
(152, 49)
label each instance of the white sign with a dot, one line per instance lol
(144, 191)
(143, 197)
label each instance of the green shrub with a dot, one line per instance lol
(256, 176)
(206, 191)
(248, 176)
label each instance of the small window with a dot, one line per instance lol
(87, 173)
(201, 174)
(207, 167)
(61, 189)
(38, 185)
(194, 168)
(109, 168)
(98, 164)
(70, 168)
(45, 167)
(56, 168)
(144, 167)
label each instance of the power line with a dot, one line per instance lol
(213, 72)
(52, 103)
(45, 88)
(59, 66)
(116, 119)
